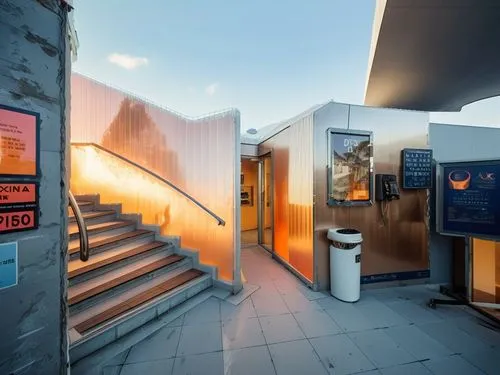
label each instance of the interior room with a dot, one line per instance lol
(249, 201)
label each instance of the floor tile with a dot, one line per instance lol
(380, 349)
(380, 315)
(296, 358)
(350, 319)
(451, 336)
(415, 313)
(242, 333)
(269, 305)
(485, 360)
(200, 339)
(417, 343)
(201, 364)
(162, 345)
(340, 355)
(296, 302)
(249, 361)
(481, 329)
(407, 369)
(280, 328)
(244, 310)
(455, 365)
(177, 322)
(151, 368)
(206, 312)
(316, 323)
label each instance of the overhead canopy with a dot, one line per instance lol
(434, 55)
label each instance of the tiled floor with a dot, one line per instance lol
(286, 329)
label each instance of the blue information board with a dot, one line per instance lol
(471, 199)
(8, 265)
(417, 168)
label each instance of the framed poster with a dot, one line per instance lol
(19, 143)
(468, 199)
(247, 196)
(417, 168)
(8, 265)
(350, 167)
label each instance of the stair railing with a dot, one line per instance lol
(82, 228)
(163, 180)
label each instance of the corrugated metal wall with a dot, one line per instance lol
(292, 158)
(199, 156)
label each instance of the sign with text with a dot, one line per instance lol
(417, 168)
(470, 199)
(8, 265)
(19, 142)
(18, 206)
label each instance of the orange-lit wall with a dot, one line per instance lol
(200, 156)
(292, 158)
(485, 271)
(250, 170)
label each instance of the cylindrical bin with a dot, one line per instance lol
(345, 264)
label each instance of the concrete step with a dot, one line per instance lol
(94, 328)
(84, 206)
(110, 227)
(103, 242)
(100, 288)
(117, 257)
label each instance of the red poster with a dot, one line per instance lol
(15, 221)
(11, 193)
(18, 142)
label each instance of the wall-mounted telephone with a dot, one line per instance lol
(386, 187)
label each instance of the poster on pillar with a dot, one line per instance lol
(469, 199)
(19, 143)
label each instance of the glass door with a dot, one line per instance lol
(266, 203)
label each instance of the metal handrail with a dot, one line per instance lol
(82, 228)
(166, 182)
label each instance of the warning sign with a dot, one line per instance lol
(19, 135)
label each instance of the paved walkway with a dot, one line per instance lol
(286, 329)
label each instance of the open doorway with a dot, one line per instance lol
(249, 201)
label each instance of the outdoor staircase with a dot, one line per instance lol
(133, 276)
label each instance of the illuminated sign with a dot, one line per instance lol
(350, 167)
(19, 142)
(469, 199)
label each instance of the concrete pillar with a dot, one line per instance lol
(34, 76)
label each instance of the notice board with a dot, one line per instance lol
(19, 169)
(417, 168)
(469, 199)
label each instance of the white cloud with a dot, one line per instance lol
(126, 61)
(212, 89)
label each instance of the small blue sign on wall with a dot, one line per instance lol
(8, 265)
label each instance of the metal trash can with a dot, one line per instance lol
(345, 264)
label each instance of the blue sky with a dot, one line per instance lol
(269, 59)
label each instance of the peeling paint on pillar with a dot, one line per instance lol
(34, 75)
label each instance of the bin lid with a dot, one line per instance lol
(345, 235)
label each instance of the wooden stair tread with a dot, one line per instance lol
(92, 214)
(77, 267)
(110, 225)
(138, 300)
(96, 243)
(74, 298)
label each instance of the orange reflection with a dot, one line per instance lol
(95, 172)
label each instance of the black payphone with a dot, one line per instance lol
(386, 187)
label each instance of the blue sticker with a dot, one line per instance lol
(8, 265)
